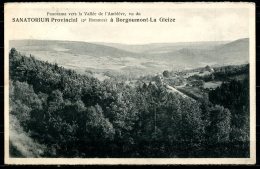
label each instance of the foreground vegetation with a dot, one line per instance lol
(72, 115)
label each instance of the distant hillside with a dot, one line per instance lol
(235, 45)
(72, 47)
(231, 53)
(135, 59)
(235, 52)
(163, 47)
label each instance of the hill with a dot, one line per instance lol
(55, 112)
(163, 47)
(135, 59)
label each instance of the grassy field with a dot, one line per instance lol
(212, 84)
(193, 92)
(134, 59)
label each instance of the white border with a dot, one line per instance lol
(136, 161)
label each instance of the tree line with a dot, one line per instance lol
(79, 116)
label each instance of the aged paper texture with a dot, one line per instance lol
(130, 83)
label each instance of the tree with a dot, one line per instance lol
(220, 124)
(55, 100)
(79, 116)
(97, 125)
(166, 73)
(235, 96)
(23, 99)
(218, 131)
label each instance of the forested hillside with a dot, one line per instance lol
(135, 60)
(65, 114)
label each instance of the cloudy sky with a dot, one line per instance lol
(196, 22)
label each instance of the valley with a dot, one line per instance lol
(135, 60)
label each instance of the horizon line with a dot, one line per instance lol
(106, 42)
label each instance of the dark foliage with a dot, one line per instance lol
(79, 116)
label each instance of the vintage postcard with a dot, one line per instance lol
(130, 83)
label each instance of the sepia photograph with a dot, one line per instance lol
(130, 83)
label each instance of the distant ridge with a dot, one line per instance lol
(74, 47)
(142, 59)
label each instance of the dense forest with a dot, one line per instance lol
(66, 114)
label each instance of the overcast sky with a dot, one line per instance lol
(211, 23)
